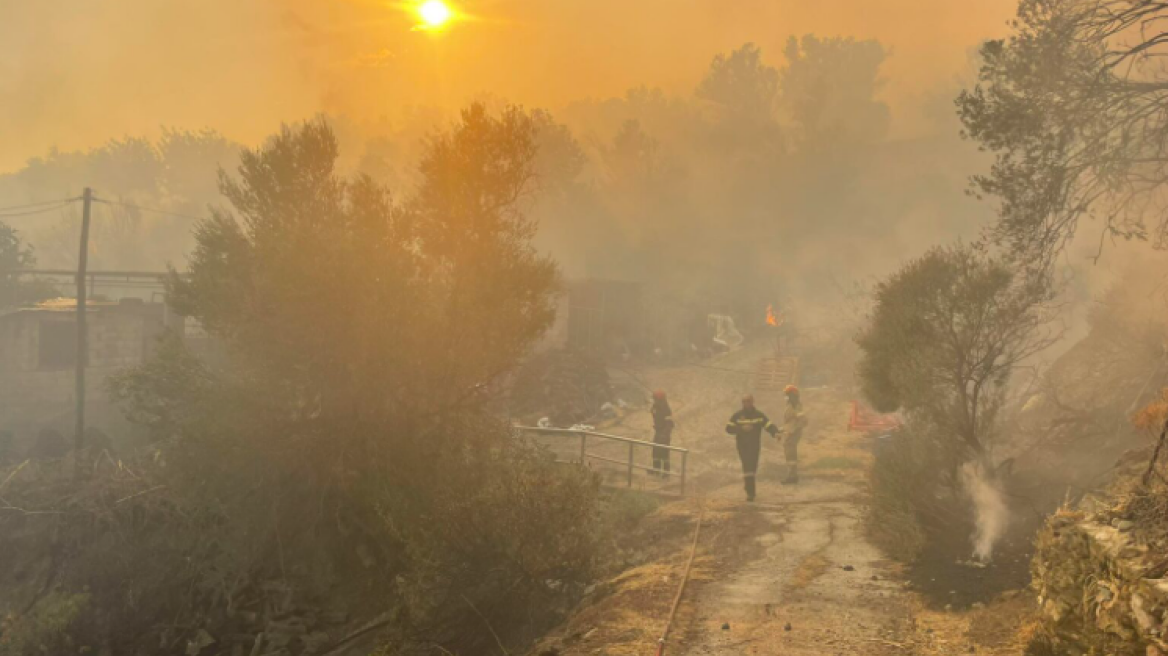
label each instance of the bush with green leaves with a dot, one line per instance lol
(945, 335)
(346, 437)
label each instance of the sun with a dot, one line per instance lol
(434, 13)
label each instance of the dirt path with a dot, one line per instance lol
(791, 573)
(787, 566)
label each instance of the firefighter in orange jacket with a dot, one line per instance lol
(747, 426)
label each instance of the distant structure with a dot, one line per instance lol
(38, 354)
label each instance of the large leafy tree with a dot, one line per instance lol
(946, 333)
(366, 310)
(363, 338)
(1074, 105)
(828, 89)
(742, 83)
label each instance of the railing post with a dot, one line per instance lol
(630, 464)
(583, 447)
(684, 457)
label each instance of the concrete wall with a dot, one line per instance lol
(33, 396)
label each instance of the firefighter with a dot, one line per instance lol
(794, 421)
(662, 432)
(747, 426)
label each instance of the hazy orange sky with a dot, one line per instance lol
(74, 73)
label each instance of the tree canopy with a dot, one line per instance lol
(829, 89)
(15, 254)
(1074, 106)
(944, 337)
(363, 339)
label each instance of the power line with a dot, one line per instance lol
(34, 212)
(148, 209)
(40, 204)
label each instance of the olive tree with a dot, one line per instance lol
(945, 335)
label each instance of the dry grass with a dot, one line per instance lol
(1003, 628)
(809, 569)
(627, 614)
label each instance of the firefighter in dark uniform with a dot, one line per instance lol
(794, 421)
(747, 426)
(662, 432)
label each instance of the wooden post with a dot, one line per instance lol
(82, 346)
(583, 447)
(630, 464)
(684, 457)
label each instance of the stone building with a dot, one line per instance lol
(38, 357)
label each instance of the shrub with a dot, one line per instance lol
(904, 482)
(46, 629)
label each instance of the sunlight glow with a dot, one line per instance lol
(434, 13)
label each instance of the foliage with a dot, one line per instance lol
(946, 333)
(1073, 106)
(742, 84)
(904, 481)
(46, 630)
(15, 254)
(114, 559)
(365, 341)
(828, 89)
(175, 173)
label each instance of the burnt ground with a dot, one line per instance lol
(944, 576)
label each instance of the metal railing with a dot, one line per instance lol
(630, 464)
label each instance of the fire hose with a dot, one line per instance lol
(693, 549)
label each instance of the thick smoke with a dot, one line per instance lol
(74, 73)
(990, 510)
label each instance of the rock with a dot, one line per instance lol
(726, 626)
(978, 606)
(1009, 594)
(787, 626)
(875, 578)
(849, 568)
(1125, 525)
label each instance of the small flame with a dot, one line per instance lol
(771, 319)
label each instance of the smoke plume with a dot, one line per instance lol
(990, 510)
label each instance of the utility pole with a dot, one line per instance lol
(82, 337)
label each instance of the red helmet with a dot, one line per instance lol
(790, 389)
(659, 394)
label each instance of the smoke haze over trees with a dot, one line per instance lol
(774, 163)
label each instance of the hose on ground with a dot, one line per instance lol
(693, 549)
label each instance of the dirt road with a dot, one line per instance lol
(791, 573)
(799, 577)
